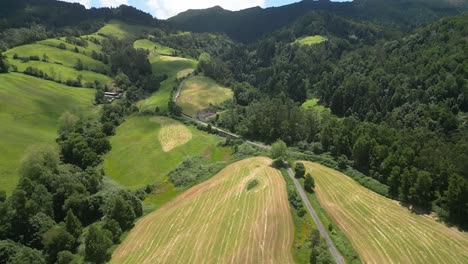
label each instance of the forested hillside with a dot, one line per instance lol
(250, 24)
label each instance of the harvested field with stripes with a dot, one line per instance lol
(218, 221)
(381, 230)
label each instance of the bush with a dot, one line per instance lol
(194, 170)
(252, 184)
(299, 170)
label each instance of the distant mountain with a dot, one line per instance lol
(57, 14)
(250, 24)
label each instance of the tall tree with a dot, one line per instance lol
(97, 243)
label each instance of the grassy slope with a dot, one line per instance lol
(310, 40)
(123, 30)
(199, 92)
(137, 157)
(149, 45)
(170, 66)
(380, 229)
(65, 57)
(29, 110)
(218, 221)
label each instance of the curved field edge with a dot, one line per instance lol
(380, 229)
(218, 221)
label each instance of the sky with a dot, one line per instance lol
(163, 9)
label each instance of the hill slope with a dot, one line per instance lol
(380, 229)
(218, 221)
(29, 112)
(250, 24)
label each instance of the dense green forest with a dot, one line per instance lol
(251, 24)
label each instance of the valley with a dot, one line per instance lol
(313, 132)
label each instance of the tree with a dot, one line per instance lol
(122, 212)
(309, 183)
(79, 65)
(4, 65)
(99, 97)
(174, 108)
(73, 224)
(67, 122)
(66, 257)
(114, 227)
(55, 240)
(361, 152)
(299, 170)
(97, 243)
(279, 150)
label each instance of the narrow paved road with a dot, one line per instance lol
(336, 255)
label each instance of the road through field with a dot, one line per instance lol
(336, 255)
(218, 221)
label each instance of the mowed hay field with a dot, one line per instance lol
(200, 92)
(380, 229)
(310, 40)
(218, 221)
(138, 157)
(29, 113)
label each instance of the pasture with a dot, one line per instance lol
(66, 58)
(29, 112)
(171, 66)
(200, 93)
(122, 30)
(218, 221)
(310, 40)
(380, 229)
(139, 158)
(153, 46)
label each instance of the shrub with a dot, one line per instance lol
(252, 184)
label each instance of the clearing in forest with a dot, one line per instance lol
(310, 40)
(29, 113)
(199, 93)
(218, 221)
(380, 229)
(172, 133)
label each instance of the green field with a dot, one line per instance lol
(137, 157)
(170, 66)
(310, 40)
(380, 229)
(199, 93)
(63, 57)
(29, 111)
(218, 221)
(153, 46)
(123, 30)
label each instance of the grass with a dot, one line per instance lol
(171, 66)
(137, 157)
(150, 45)
(123, 30)
(380, 229)
(310, 40)
(314, 105)
(200, 93)
(218, 221)
(29, 112)
(173, 134)
(62, 73)
(63, 57)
